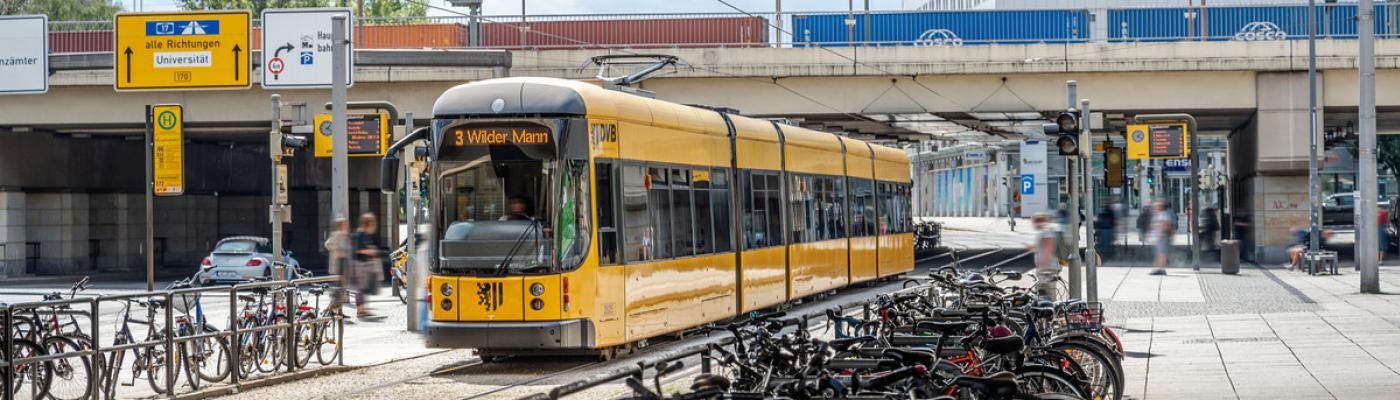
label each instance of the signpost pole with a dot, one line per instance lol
(410, 267)
(1086, 146)
(274, 151)
(340, 179)
(1366, 237)
(150, 206)
(1076, 284)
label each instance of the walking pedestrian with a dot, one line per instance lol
(337, 259)
(1105, 227)
(1047, 261)
(1163, 229)
(1383, 240)
(366, 262)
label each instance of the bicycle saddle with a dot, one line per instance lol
(1003, 345)
(156, 302)
(943, 327)
(246, 298)
(998, 385)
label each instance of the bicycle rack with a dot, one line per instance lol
(288, 291)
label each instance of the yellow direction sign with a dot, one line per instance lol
(369, 134)
(1158, 141)
(168, 151)
(182, 51)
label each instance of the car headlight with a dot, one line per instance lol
(537, 289)
(446, 290)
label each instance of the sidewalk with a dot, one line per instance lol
(1265, 333)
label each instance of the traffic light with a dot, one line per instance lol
(1066, 133)
(285, 145)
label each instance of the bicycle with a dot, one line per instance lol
(150, 360)
(71, 376)
(206, 357)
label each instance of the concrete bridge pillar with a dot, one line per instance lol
(1269, 162)
(12, 237)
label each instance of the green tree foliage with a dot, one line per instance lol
(1388, 152)
(256, 6)
(373, 8)
(63, 10)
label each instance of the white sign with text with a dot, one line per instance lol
(296, 48)
(24, 54)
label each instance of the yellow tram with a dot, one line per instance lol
(572, 218)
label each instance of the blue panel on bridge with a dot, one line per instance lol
(945, 28)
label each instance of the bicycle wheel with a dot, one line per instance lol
(30, 381)
(271, 347)
(155, 365)
(327, 340)
(1102, 375)
(1040, 379)
(208, 357)
(305, 341)
(248, 350)
(71, 375)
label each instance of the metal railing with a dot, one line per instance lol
(98, 347)
(822, 29)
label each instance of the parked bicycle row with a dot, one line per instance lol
(953, 335)
(71, 345)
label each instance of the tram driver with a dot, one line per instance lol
(519, 210)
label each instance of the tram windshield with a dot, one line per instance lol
(507, 202)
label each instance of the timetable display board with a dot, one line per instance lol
(1158, 141)
(367, 134)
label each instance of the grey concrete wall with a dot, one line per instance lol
(1271, 165)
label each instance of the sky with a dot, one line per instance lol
(535, 7)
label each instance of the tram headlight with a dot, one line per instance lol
(446, 290)
(447, 304)
(536, 289)
(537, 304)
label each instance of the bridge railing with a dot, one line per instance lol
(822, 29)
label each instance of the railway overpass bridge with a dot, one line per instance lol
(86, 213)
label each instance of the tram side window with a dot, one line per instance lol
(682, 215)
(719, 199)
(836, 190)
(800, 208)
(862, 208)
(575, 216)
(704, 218)
(761, 220)
(607, 214)
(660, 212)
(640, 236)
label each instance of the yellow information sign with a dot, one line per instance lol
(1158, 141)
(168, 150)
(369, 134)
(182, 50)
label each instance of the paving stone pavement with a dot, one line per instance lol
(1264, 333)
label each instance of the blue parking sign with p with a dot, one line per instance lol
(1027, 184)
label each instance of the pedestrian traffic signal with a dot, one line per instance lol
(1066, 133)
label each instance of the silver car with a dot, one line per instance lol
(241, 258)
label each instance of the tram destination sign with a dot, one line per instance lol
(182, 50)
(495, 136)
(1158, 141)
(368, 134)
(24, 54)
